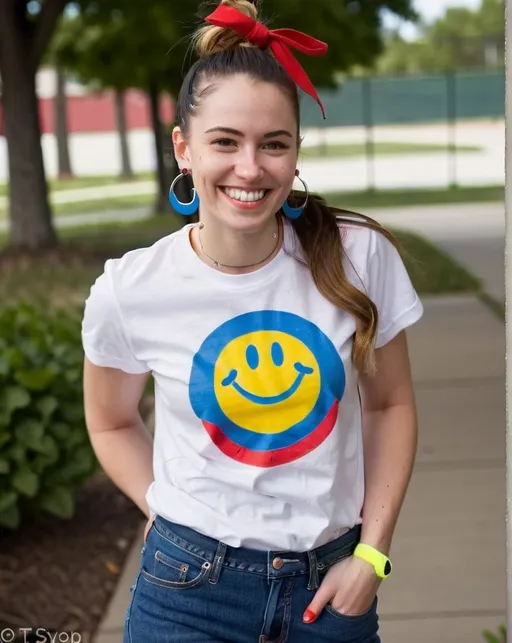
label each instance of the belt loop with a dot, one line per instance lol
(218, 561)
(314, 580)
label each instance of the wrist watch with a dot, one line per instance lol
(380, 563)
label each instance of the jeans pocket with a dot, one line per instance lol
(353, 617)
(168, 565)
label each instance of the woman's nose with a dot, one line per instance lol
(248, 166)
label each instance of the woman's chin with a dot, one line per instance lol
(247, 220)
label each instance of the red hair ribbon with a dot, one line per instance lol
(278, 40)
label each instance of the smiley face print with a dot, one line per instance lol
(267, 387)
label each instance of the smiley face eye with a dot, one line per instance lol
(252, 357)
(277, 354)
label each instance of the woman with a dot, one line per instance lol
(273, 331)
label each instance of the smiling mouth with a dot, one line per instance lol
(245, 196)
(302, 371)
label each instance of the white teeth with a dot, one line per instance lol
(242, 195)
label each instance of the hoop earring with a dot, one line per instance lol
(186, 209)
(294, 213)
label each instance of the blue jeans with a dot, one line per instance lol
(194, 589)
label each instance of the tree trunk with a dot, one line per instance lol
(122, 128)
(61, 126)
(162, 176)
(30, 214)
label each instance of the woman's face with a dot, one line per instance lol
(242, 151)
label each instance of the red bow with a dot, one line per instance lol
(279, 41)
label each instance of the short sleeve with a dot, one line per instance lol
(104, 336)
(390, 288)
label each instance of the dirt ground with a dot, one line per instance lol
(60, 575)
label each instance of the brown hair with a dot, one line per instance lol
(222, 52)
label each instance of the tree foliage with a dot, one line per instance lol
(127, 43)
(462, 38)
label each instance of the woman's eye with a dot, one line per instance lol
(223, 142)
(276, 145)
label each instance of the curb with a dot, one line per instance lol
(111, 627)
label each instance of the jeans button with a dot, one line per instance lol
(277, 563)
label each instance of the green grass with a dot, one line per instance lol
(99, 205)
(56, 185)
(433, 271)
(397, 198)
(52, 279)
(379, 149)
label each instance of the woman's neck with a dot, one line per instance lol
(236, 252)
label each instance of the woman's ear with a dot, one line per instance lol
(180, 148)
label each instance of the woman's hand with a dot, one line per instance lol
(349, 586)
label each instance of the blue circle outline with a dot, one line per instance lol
(202, 394)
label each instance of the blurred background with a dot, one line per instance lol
(415, 137)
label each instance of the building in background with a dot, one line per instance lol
(90, 111)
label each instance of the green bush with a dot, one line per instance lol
(45, 452)
(493, 638)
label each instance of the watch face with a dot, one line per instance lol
(387, 568)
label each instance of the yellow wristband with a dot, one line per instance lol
(380, 563)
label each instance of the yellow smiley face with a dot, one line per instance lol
(266, 381)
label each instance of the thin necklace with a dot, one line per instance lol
(275, 235)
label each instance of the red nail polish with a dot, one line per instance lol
(309, 616)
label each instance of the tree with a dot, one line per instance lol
(26, 28)
(460, 39)
(61, 125)
(122, 129)
(82, 49)
(60, 106)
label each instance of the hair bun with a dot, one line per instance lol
(210, 39)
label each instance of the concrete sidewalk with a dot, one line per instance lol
(473, 234)
(448, 582)
(449, 547)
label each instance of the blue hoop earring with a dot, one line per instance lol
(186, 209)
(294, 213)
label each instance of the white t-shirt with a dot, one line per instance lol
(257, 415)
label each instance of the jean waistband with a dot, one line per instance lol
(272, 563)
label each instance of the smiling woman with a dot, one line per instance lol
(274, 330)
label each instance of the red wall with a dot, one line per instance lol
(96, 112)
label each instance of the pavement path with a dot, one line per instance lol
(474, 234)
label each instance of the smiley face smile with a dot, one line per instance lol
(302, 370)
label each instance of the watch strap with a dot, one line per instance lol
(379, 561)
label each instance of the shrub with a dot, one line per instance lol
(45, 452)
(493, 638)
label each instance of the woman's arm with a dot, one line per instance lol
(389, 439)
(122, 443)
(390, 436)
